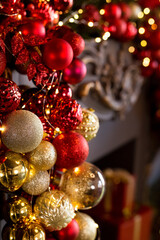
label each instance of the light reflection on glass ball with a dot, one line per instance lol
(85, 185)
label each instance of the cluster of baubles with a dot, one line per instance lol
(113, 18)
(44, 131)
(148, 49)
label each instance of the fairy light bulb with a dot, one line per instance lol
(151, 21)
(143, 43)
(102, 12)
(141, 30)
(140, 15)
(98, 40)
(146, 62)
(131, 49)
(106, 35)
(80, 11)
(146, 11)
(90, 24)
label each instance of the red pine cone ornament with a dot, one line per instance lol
(65, 113)
(72, 149)
(10, 96)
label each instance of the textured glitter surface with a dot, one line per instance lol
(43, 157)
(23, 131)
(72, 149)
(89, 126)
(54, 210)
(66, 114)
(10, 95)
(84, 185)
(14, 171)
(38, 184)
(87, 227)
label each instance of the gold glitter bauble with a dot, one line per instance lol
(14, 171)
(38, 184)
(33, 232)
(19, 209)
(43, 157)
(87, 227)
(54, 210)
(23, 131)
(89, 126)
(84, 185)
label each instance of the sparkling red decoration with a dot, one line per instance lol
(72, 149)
(41, 11)
(48, 130)
(75, 72)
(76, 41)
(91, 13)
(10, 96)
(57, 54)
(33, 100)
(62, 90)
(65, 113)
(35, 27)
(70, 232)
(149, 4)
(2, 61)
(112, 11)
(61, 5)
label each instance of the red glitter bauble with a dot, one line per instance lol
(91, 13)
(10, 96)
(62, 5)
(76, 41)
(70, 232)
(75, 72)
(72, 149)
(57, 54)
(63, 90)
(33, 28)
(33, 100)
(65, 113)
(2, 61)
(112, 11)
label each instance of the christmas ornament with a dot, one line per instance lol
(130, 33)
(70, 232)
(38, 184)
(19, 209)
(57, 54)
(76, 41)
(63, 90)
(3, 62)
(120, 27)
(41, 11)
(43, 157)
(34, 27)
(34, 231)
(8, 232)
(13, 171)
(72, 149)
(87, 227)
(23, 131)
(91, 13)
(84, 185)
(65, 114)
(89, 126)
(149, 4)
(112, 11)
(75, 72)
(62, 5)
(10, 95)
(54, 210)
